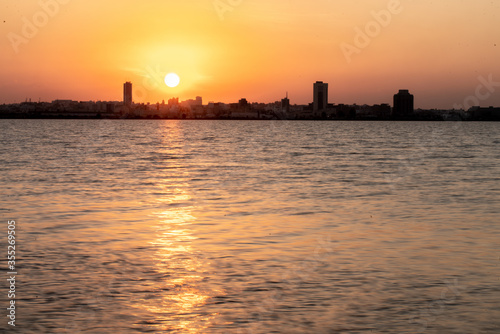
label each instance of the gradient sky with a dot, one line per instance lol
(255, 49)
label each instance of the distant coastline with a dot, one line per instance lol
(219, 111)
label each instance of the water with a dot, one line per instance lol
(253, 227)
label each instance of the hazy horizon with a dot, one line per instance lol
(444, 52)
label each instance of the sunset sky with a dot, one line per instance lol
(224, 50)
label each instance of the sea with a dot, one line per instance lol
(224, 226)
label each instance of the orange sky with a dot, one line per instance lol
(224, 50)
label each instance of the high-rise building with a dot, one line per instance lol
(285, 104)
(320, 96)
(127, 93)
(403, 103)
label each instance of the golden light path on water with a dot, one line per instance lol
(175, 256)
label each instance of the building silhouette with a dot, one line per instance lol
(127, 93)
(242, 103)
(484, 114)
(285, 104)
(403, 104)
(320, 101)
(173, 101)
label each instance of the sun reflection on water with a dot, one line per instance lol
(184, 292)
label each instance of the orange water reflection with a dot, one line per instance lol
(183, 291)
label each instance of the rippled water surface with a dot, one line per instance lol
(253, 227)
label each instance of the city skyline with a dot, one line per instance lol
(225, 50)
(403, 105)
(319, 101)
(402, 109)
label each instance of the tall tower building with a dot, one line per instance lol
(127, 93)
(403, 103)
(199, 101)
(285, 104)
(320, 96)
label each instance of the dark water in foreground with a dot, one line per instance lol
(252, 227)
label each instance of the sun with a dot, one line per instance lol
(172, 80)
